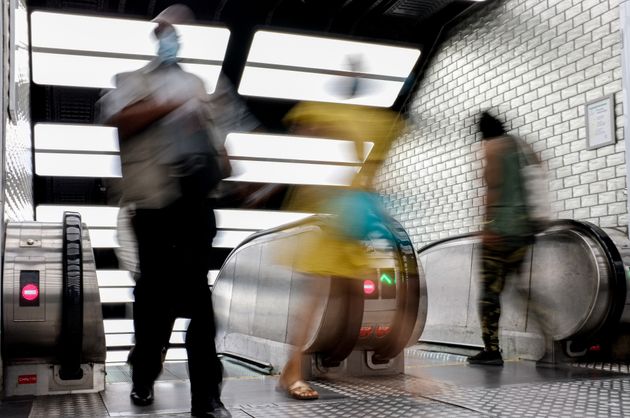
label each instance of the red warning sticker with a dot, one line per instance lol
(27, 379)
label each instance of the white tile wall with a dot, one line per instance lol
(535, 63)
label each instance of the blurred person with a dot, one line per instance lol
(508, 230)
(170, 213)
(357, 215)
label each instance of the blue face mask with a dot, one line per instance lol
(168, 46)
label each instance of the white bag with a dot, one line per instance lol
(536, 187)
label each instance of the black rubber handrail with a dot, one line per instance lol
(408, 298)
(71, 336)
(349, 328)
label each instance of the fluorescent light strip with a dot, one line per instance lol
(123, 278)
(120, 356)
(92, 138)
(77, 165)
(98, 72)
(114, 278)
(103, 238)
(123, 326)
(66, 137)
(122, 36)
(255, 219)
(230, 239)
(292, 173)
(106, 216)
(116, 294)
(331, 54)
(92, 216)
(127, 340)
(287, 147)
(297, 85)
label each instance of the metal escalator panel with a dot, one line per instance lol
(259, 300)
(53, 339)
(395, 310)
(572, 283)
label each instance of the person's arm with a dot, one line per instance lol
(136, 117)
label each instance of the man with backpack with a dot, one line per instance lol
(508, 230)
(169, 166)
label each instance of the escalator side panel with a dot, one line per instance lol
(272, 307)
(451, 270)
(245, 284)
(568, 283)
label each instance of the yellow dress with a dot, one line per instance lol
(330, 253)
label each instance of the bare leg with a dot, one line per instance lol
(292, 371)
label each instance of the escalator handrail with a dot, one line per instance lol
(71, 335)
(615, 262)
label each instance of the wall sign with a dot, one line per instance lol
(600, 122)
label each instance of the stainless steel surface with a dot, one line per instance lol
(429, 387)
(31, 333)
(564, 284)
(79, 405)
(17, 160)
(258, 300)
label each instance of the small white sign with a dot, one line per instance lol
(600, 122)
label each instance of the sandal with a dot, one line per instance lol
(299, 390)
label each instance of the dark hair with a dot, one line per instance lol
(490, 126)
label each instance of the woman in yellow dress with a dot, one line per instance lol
(338, 251)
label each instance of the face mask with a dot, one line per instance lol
(168, 47)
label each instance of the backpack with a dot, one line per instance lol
(535, 186)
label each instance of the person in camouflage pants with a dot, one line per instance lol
(507, 233)
(496, 264)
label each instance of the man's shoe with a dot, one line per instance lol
(492, 358)
(141, 395)
(214, 409)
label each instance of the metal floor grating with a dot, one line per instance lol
(454, 390)
(390, 406)
(580, 398)
(79, 405)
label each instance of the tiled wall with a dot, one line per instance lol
(535, 63)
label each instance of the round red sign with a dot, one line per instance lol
(30, 292)
(369, 287)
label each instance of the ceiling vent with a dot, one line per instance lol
(416, 9)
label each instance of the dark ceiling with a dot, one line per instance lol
(417, 23)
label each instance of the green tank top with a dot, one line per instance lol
(510, 214)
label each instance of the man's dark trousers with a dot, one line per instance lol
(173, 249)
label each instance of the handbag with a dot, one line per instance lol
(193, 153)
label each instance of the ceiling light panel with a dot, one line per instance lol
(92, 216)
(87, 51)
(57, 69)
(299, 67)
(67, 137)
(292, 173)
(284, 49)
(74, 32)
(77, 165)
(300, 85)
(297, 148)
(255, 219)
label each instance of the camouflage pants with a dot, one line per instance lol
(497, 262)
